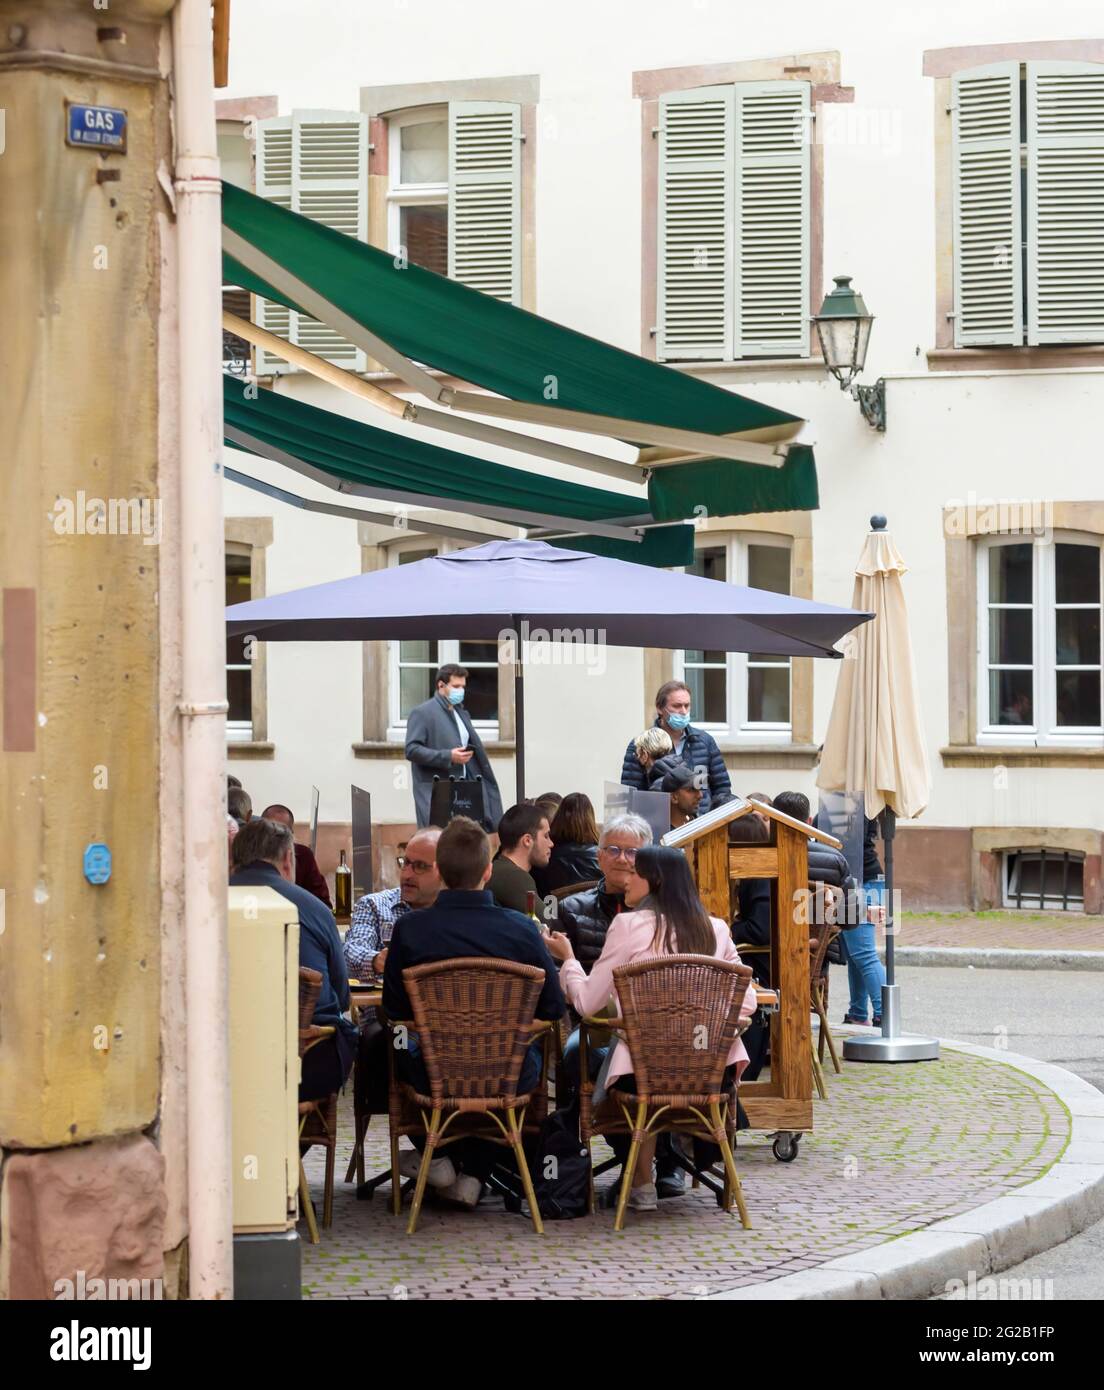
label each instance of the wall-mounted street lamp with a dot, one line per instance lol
(843, 327)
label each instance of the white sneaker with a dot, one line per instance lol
(466, 1191)
(441, 1170)
(644, 1198)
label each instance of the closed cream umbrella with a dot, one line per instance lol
(875, 746)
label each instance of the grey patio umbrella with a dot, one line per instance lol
(502, 589)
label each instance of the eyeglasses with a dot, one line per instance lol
(616, 852)
(419, 866)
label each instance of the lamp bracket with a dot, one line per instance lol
(872, 403)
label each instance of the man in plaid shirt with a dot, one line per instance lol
(374, 916)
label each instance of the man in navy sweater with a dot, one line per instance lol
(264, 856)
(464, 921)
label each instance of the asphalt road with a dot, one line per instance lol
(1056, 1016)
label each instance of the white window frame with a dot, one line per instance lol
(1045, 732)
(448, 650)
(241, 730)
(401, 195)
(738, 728)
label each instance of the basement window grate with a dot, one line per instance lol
(1050, 879)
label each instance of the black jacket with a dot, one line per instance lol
(466, 924)
(699, 751)
(754, 925)
(569, 863)
(584, 918)
(872, 865)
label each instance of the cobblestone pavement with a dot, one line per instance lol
(1027, 931)
(894, 1149)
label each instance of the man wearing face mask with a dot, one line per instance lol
(441, 742)
(697, 749)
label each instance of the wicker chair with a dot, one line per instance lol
(474, 1021)
(669, 1004)
(563, 1026)
(317, 1118)
(825, 902)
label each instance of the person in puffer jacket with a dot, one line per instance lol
(693, 746)
(585, 917)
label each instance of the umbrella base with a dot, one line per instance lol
(899, 1049)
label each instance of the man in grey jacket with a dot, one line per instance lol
(441, 742)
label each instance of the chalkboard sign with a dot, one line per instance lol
(456, 796)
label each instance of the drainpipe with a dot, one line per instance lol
(203, 695)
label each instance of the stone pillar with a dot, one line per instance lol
(84, 236)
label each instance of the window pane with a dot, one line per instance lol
(423, 154)
(709, 563)
(1077, 637)
(424, 233)
(1077, 573)
(415, 685)
(769, 568)
(1078, 698)
(708, 695)
(481, 693)
(769, 695)
(239, 685)
(478, 651)
(767, 659)
(707, 658)
(235, 651)
(1010, 636)
(415, 649)
(1010, 574)
(408, 557)
(1010, 697)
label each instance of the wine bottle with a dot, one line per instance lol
(343, 891)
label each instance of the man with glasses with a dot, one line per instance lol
(584, 917)
(375, 914)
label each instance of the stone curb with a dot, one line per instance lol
(995, 1236)
(999, 958)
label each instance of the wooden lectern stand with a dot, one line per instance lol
(785, 1102)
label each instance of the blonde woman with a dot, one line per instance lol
(650, 746)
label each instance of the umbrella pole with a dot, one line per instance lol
(891, 1045)
(519, 716)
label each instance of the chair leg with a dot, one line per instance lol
(591, 1198)
(359, 1125)
(818, 1074)
(396, 1177)
(732, 1179)
(523, 1169)
(305, 1204)
(826, 1035)
(365, 1121)
(328, 1191)
(630, 1168)
(423, 1174)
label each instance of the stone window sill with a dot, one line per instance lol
(996, 755)
(251, 749)
(384, 749)
(1015, 359)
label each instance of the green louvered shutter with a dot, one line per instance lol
(985, 140)
(1065, 223)
(695, 302)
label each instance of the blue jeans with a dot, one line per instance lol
(865, 971)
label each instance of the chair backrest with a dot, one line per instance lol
(474, 1019)
(825, 902)
(680, 1014)
(310, 987)
(566, 891)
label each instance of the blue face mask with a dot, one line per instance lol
(455, 695)
(678, 721)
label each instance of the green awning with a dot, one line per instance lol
(391, 462)
(441, 323)
(727, 488)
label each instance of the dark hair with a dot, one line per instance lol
(747, 830)
(523, 819)
(445, 673)
(261, 840)
(277, 807)
(232, 781)
(666, 690)
(671, 774)
(463, 853)
(574, 823)
(759, 796)
(795, 804)
(239, 804)
(682, 923)
(551, 801)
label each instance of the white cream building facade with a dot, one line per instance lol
(924, 139)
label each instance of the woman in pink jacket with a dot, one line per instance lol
(663, 916)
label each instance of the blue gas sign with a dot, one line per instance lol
(96, 128)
